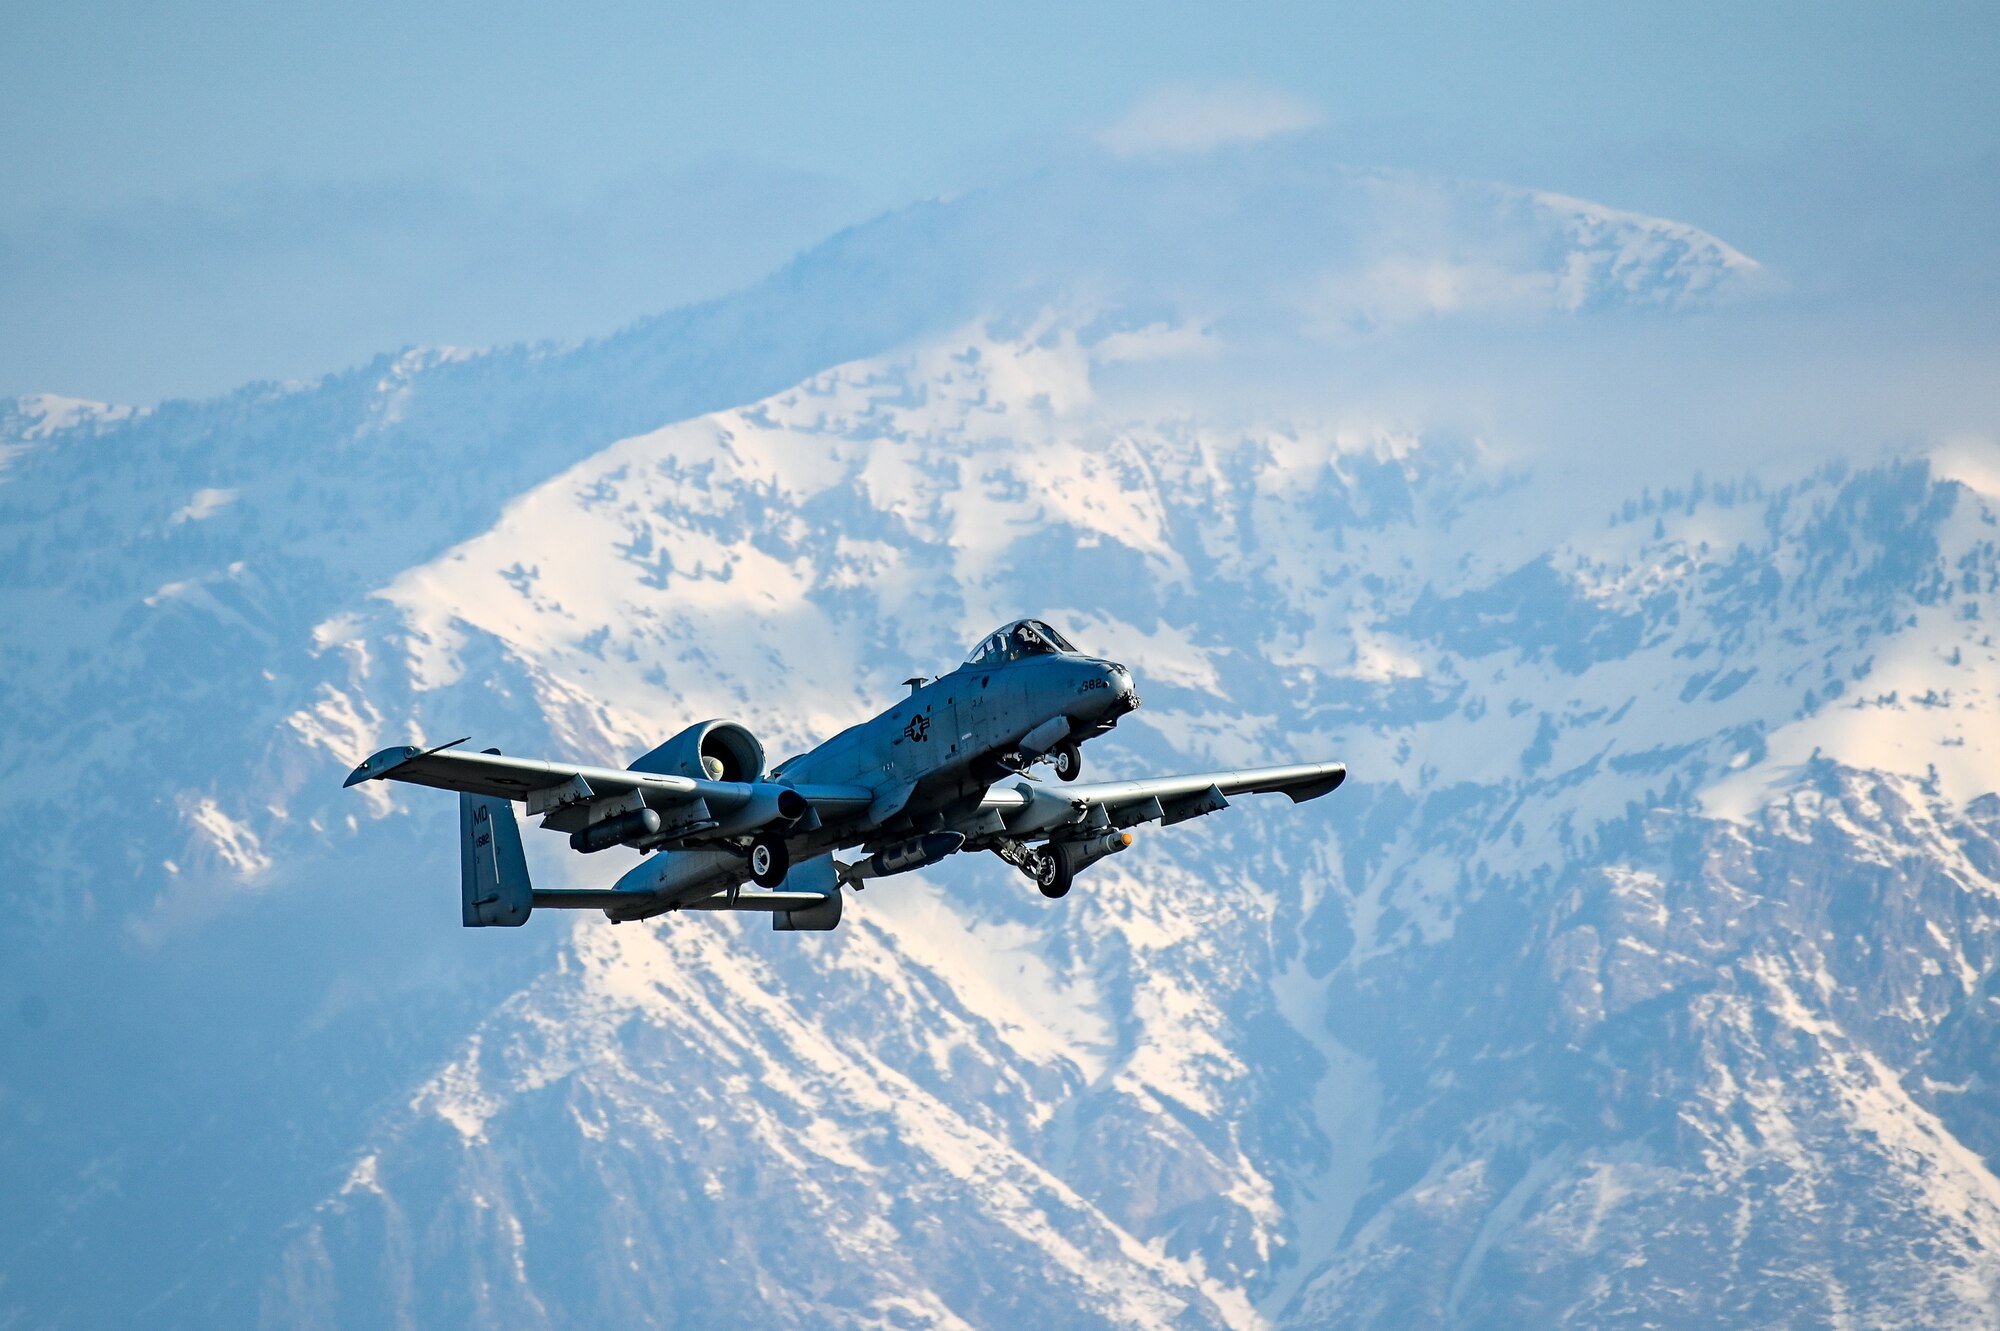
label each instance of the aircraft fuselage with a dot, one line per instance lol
(953, 737)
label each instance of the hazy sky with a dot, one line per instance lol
(202, 194)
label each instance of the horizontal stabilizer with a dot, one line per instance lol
(763, 901)
(582, 898)
(810, 899)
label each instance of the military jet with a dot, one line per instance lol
(947, 769)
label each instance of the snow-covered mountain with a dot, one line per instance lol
(1639, 975)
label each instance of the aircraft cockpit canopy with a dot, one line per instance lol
(1020, 639)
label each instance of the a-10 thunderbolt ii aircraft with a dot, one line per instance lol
(944, 770)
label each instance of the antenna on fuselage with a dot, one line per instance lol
(915, 682)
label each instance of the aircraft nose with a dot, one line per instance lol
(1124, 695)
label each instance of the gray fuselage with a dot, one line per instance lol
(950, 739)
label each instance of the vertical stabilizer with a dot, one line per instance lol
(492, 871)
(820, 875)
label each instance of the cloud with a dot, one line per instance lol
(1183, 119)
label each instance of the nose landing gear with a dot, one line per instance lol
(1067, 759)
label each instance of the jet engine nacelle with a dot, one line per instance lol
(710, 751)
(765, 805)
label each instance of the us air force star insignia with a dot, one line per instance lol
(919, 728)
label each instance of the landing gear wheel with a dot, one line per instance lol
(1068, 760)
(770, 860)
(1053, 872)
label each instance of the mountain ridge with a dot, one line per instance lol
(1451, 1046)
(707, 501)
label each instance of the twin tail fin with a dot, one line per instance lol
(493, 874)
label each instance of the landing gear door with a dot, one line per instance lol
(972, 712)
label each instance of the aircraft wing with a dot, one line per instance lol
(1038, 807)
(547, 787)
(513, 778)
(1302, 781)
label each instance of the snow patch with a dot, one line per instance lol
(999, 972)
(458, 1096)
(232, 841)
(205, 504)
(1971, 460)
(43, 415)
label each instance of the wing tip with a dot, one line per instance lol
(1332, 782)
(379, 764)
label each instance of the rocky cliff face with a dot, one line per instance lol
(1639, 975)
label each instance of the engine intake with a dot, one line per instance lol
(709, 751)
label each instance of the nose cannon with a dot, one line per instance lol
(1109, 693)
(1124, 694)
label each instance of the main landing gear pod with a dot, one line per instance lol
(1056, 868)
(770, 860)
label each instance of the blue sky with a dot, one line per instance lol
(205, 194)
